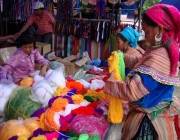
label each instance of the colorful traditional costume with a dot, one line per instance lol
(149, 87)
(134, 51)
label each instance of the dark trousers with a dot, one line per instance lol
(45, 38)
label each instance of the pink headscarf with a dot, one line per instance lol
(169, 17)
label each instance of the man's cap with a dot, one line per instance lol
(38, 5)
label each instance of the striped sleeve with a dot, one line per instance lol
(131, 90)
(51, 18)
(30, 20)
(130, 60)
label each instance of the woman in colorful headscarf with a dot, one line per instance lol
(126, 41)
(150, 85)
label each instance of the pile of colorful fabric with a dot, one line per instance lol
(61, 107)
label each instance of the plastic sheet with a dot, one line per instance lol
(18, 127)
(114, 132)
(54, 65)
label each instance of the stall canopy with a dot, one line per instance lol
(175, 3)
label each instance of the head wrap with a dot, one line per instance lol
(169, 17)
(131, 35)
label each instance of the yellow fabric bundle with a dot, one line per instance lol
(115, 113)
(28, 81)
(77, 99)
(61, 91)
(23, 129)
(23, 137)
(101, 95)
(116, 65)
(113, 62)
(42, 123)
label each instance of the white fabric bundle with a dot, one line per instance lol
(6, 88)
(55, 78)
(71, 107)
(84, 83)
(44, 87)
(42, 92)
(97, 84)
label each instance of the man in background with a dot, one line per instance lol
(44, 21)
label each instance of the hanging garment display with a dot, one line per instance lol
(95, 30)
(101, 5)
(67, 45)
(88, 32)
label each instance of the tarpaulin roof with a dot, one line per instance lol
(175, 3)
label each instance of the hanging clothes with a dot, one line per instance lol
(133, 6)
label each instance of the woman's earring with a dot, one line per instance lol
(158, 40)
(125, 49)
(148, 44)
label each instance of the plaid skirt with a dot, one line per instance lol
(138, 126)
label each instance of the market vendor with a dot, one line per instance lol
(126, 42)
(150, 86)
(44, 21)
(22, 62)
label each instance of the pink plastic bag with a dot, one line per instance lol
(90, 125)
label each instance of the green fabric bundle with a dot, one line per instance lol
(20, 105)
(121, 65)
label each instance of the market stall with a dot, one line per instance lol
(80, 96)
(62, 106)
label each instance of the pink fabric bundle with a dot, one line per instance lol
(90, 125)
(169, 17)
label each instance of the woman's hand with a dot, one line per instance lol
(43, 70)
